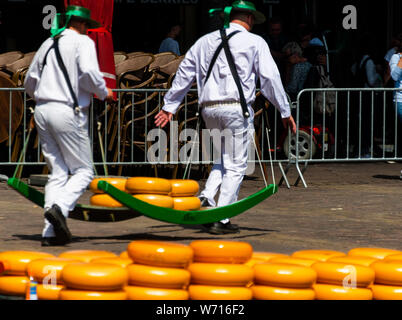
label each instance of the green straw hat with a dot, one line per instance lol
(73, 11)
(240, 5)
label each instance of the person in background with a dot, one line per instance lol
(395, 44)
(395, 65)
(276, 40)
(296, 69)
(170, 44)
(366, 75)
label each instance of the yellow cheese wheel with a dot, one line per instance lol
(378, 253)
(220, 251)
(66, 294)
(186, 203)
(158, 277)
(145, 185)
(211, 274)
(362, 261)
(162, 254)
(13, 285)
(252, 262)
(48, 292)
(200, 292)
(144, 293)
(388, 272)
(48, 269)
(94, 276)
(319, 255)
(122, 262)
(3, 266)
(86, 255)
(104, 200)
(156, 200)
(15, 262)
(381, 292)
(124, 254)
(119, 183)
(295, 261)
(278, 293)
(340, 273)
(332, 292)
(284, 275)
(267, 256)
(184, 188)
(394, 257)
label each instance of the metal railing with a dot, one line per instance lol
(123, 133)
(363, 126)
(360, 124)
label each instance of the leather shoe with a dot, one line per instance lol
(51, 242)
(58, 221)
(221, 228)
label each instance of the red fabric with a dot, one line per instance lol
(101, 11)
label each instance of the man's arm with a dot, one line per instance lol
(182, 83)
(91, 78)
(35, 69)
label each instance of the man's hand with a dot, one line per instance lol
(289, 123)
(110, 95)
(162, 118)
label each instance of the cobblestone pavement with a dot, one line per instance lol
(345, 206)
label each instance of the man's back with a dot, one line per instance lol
(253, 62)
(45, 82)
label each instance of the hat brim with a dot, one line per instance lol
(92, 24)
(258, 16)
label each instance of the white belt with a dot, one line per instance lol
(215, 104)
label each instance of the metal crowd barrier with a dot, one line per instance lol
(123, 133)
(363, 126)
(360, 124)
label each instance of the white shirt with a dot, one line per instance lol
(253, 60)
(79, 56)
(396, 74)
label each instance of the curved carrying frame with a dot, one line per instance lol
(187, 217)
(136, 208)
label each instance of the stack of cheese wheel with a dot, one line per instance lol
(13, 279)
(86, 255)
(159, 270)
(283, 281)
(387, 267)
(219, 271)
(154, 191)
(263, 257)
(100, 199)
(387, 289)
(343, 280)
(318, 255)
(184, 193)
(93, 281)
(47, 273)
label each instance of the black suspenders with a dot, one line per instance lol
(232, 66)
(63, 68)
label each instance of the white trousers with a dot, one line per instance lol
(230, 166)
(66, 148)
